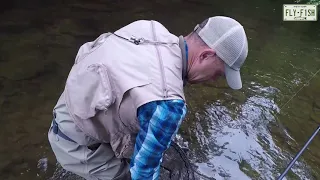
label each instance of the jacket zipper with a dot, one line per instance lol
(164, 83)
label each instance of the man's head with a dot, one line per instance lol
(218, 46)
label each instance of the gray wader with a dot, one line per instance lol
(80, 154)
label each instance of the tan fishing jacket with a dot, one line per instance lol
(115, 74)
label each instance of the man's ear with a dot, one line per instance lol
(205, 54)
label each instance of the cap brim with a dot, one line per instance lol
(233, 78)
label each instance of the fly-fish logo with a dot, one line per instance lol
(300, 12)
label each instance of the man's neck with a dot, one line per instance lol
(184, 51)
(191, 52)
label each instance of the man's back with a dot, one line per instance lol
(101, 77)
(112, 77)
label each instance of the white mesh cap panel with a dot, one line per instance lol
(227, 37)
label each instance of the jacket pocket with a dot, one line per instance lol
(88, 90)
(106, 96)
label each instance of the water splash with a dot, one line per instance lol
(43, 164)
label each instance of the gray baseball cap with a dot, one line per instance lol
(227, 37)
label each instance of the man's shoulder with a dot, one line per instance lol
(146, 22)
(145, 26)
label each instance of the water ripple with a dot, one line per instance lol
(240, 143)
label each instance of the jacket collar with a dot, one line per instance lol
(183, 47)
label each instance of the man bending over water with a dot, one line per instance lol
(124, 98)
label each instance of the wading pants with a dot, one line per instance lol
(80, 154)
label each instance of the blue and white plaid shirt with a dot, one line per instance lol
(159, 123)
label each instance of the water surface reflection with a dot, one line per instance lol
(236, 140)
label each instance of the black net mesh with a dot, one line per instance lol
(175, 164)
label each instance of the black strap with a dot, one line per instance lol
(57, 131)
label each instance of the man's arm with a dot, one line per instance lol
(159, 123)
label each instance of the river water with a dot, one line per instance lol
(248, 134)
